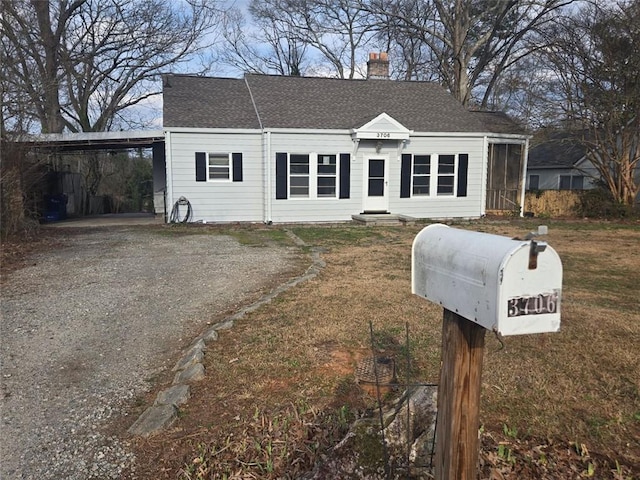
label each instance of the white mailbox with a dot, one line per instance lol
(507, 285)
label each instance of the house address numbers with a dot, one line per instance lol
(533, 305)
(384, 135)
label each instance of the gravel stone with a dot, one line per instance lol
(85, 327)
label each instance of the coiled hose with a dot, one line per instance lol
(175, 211)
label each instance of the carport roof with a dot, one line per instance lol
(94, 140)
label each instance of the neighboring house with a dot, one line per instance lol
(559, 163)
(298, 149)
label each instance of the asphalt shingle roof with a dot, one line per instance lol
(559, 151)
(498, 122)
(311, 102)
(206, 102)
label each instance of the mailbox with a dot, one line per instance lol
(507, 285)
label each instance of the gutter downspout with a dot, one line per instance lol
(525, 160)
(268, 177)
(266, 159)
(169, 177)
(485, 172)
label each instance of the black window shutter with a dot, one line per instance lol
(405, 176)
(463, 167)
(201, 167)
(237, 166)
(281, 176)
(345, 175)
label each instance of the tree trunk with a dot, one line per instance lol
(51, 121)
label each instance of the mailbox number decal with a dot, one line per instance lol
(535, 305)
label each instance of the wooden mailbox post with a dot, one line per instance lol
(484, 282)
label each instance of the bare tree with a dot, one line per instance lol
(473, 42)
(292, 30)
(270, 46)
(409, 52)
(596, 56)
(82, 63)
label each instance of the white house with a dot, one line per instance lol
(298, 149)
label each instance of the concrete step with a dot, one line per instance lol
(382, 219)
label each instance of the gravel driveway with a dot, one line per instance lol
(86, 327)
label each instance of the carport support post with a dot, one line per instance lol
(457, 445)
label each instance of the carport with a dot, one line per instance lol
(110, 141)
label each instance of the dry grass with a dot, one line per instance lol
(280, 388)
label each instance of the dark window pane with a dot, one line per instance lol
(217, 173)
(376, 187)
(326, 187)
(422, 169)
(218, 166)
(326, 181)
(326, 191)
(327, 169)
(445, 185)
(422, 164)
(577, 183)
(218, 160)
(421, 185)
(299, 181)
(376, 168)
(299, 186)
(534, 182)
(565, 182)
(326, 159)
(421, 180)
(299, 164)
(296, 158)
(446, 164)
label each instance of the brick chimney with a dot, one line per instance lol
(378, 66)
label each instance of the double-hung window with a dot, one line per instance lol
(421, 174)
(571, 182)
(446, 174)
(429, 175)
(219, 166)
(327, 175)
(312, 175)
(298, 175)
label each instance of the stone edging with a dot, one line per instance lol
(189, 367)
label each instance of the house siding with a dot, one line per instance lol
(446, 206)
(250, 200)
(316, 209)
(434, 206)
(549, 179)
(225, 201)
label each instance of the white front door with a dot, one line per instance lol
(376, 184)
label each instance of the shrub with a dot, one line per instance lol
(599, 203)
